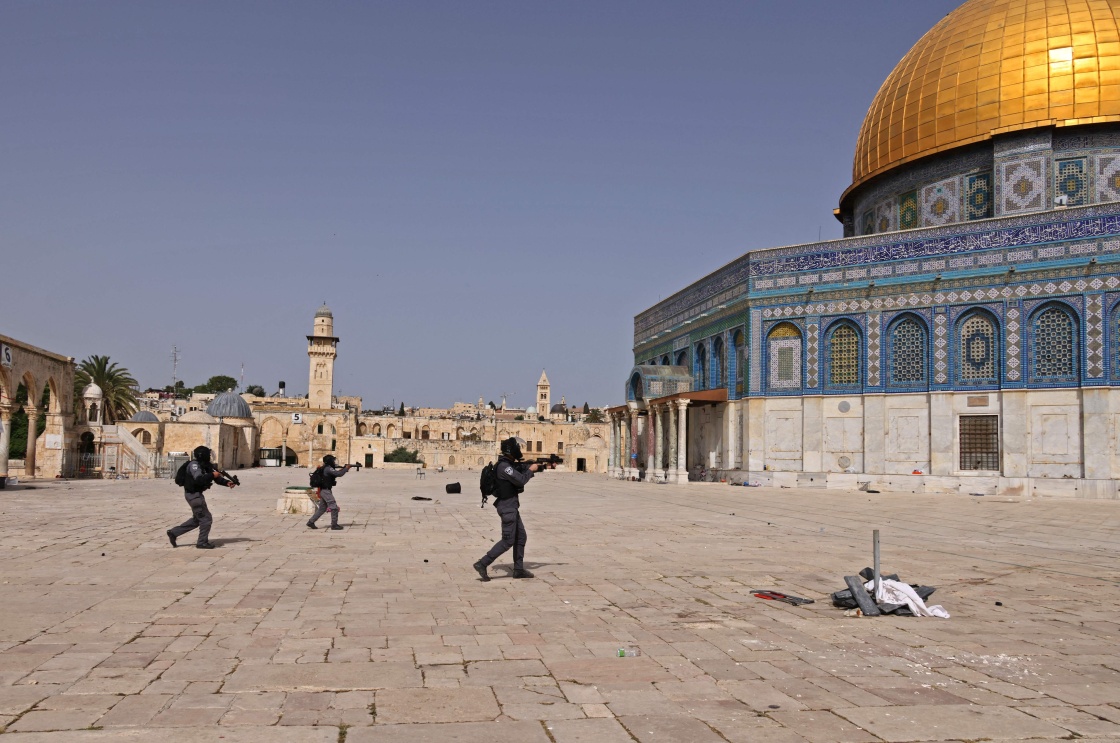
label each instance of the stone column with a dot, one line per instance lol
(635, 444)
(612, 452)
(650, 442)
(682, 441)
(658, 436)
(5, 438)
(731, 437)
(32, 427)
(624, 426)
(671, 460)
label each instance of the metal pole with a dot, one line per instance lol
(875, 547)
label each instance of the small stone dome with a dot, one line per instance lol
(324, 311)
(197, 416)
(230, 405)
(531, 410)
(92, 392)
(143, 416)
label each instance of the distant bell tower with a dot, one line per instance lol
(322, 348)
(544, 395)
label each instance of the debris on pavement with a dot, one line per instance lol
(894, 597)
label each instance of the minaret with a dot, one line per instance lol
(322, 348)
(544, 396)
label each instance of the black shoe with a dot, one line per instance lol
(311, 526)
(481, 570)
(172, 538)
(336, 527)
(522, 573)
(205, 546)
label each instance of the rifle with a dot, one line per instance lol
(228, 476)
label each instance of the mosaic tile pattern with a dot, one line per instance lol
(785, 364)
(940, 348)
(908, 211)
(1094, 336)
(1023, 185)
(730, 284)
(843, 356)
(978, 196)
(907, 365)
(867, 223)
(1053, 346)
(1012, 363)
(941, 204)
(812, 354)
(977, 350)
(756, 352)
(1108, 178)
(1072, 181)
(886, 216)
(873, 348)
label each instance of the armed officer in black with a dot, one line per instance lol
(512, 477)
(326, 492)
(201, 474)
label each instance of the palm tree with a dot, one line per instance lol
(117, 385)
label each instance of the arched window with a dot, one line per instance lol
(907, 365)
(719, 374)
(1054, 345)
(682, 358)
(843, 356)
(451, 460)
(784, 357)
(376, 429)
(390, 431)
(739, 352)
(665, 360)
(979, 348)
(425, 433)
(700, 368)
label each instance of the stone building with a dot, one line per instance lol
(964, 334)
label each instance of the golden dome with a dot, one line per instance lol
(994, 66)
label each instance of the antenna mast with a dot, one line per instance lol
(174, 367)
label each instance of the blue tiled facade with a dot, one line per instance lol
(1006, 269)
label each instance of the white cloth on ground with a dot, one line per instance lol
(897, 592)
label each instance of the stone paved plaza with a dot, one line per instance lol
(382, 633)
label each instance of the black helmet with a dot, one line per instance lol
(512, 447)
(329, 460)
(201, 454)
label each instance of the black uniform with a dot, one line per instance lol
(511, 482)
(326, 495)
(200, 476)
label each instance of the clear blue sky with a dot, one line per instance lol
(479, 190)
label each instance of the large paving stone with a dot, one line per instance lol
(945, 722)
(468, 704)
(605, 671)
(183, 735)
(323, 677)
(463, 732)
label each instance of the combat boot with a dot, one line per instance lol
(522, 573)
(171, 536)
(481, 570)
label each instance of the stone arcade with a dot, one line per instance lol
(964, 335)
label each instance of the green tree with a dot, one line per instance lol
(401, 454)
(519, 417)
(17, 444)
(219, 383)
(117, 386)
(256, 389)
(179, 387)
(401, 411)
(596, 416)
(586, 409)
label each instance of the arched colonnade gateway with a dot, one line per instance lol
(964, 334)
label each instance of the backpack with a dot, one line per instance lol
(488, 481)
(317, 478)
(182, 477)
